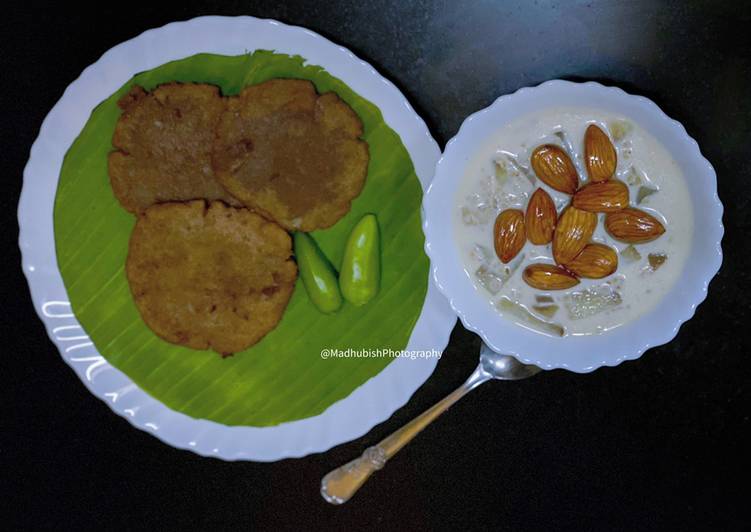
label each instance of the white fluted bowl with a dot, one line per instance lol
(576, 353)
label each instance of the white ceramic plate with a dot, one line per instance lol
(371, 403)
(576, 353)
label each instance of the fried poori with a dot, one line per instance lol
(163, 145)
(292, 155)
(205, 275)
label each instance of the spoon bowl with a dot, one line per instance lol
(504, 367)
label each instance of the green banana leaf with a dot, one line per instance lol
(283, 377)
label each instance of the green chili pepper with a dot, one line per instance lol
(360, 274)
(317, 273)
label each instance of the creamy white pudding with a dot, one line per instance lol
(499, 177)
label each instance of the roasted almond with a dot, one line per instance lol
(540, 218)
(572, 232)
(599, 154)
(604, 196)
(548, 277)
(554, 168)
(633, 226)
(508, 234)
(594, 262)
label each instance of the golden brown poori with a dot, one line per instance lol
(206, 275)
(163, 145)
(291, 154)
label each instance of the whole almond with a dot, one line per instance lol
(572, 233)
(603, 196)
(599, 154)
(548, 277)
(633, 226)
(540, 218)
(554, 168)
(594, 262)
(508, 234)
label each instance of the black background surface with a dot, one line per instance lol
(656, 444)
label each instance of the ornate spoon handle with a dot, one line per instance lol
(340, 484)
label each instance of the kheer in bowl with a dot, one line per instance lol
(573, 225)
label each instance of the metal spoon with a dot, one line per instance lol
(340, 484)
